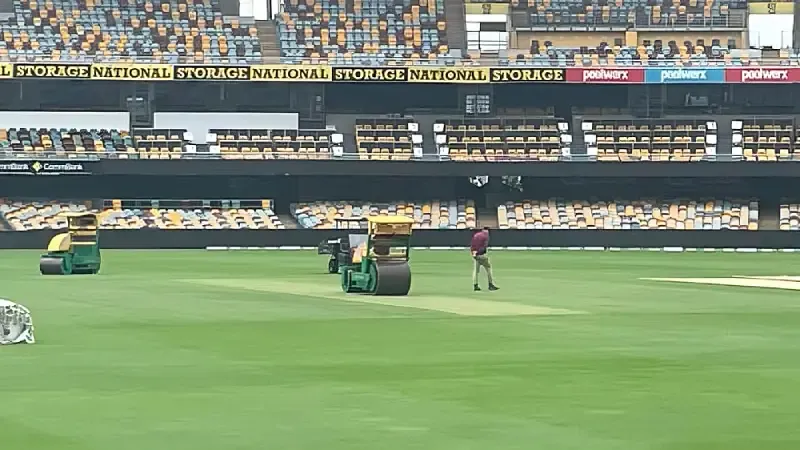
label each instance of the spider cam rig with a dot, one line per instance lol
(339, 248)
(75, 252)
(379, 259)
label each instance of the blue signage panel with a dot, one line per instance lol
(684, 75)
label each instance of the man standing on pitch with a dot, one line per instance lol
(479, 249)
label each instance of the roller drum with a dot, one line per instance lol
(392, 278)
(51, 266)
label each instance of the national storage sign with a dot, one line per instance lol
(318, 73)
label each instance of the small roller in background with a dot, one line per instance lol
(75, 252)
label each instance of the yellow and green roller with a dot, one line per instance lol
(75, 252)
(379, 262)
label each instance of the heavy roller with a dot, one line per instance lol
(75, 252)
(379, 261)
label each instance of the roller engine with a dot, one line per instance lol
(339, 248)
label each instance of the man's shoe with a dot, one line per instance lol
(476, 288)
(493, 287)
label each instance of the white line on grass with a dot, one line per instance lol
(452, 305)
(779, 278)
(756, 282)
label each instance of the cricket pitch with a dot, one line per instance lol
(461, 306)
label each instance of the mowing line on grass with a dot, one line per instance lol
(461, 306)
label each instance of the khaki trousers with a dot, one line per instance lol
(482, 261)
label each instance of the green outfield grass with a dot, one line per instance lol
(213, 350)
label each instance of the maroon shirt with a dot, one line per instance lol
(480, 242)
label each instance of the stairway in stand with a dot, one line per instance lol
(268, 36)
(456, 28)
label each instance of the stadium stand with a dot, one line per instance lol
(540, 139)
(638, 32)
(649, 52)
(650, 139)
(629, 215)
(153, 143)
(765, 139)
(789, 217)
(388, 138)
(137, 214)
(674, 14)
(362, 31)
(152, 30)
(436, 214)
(190, 214)
(24, 216)
(65, 142)
(275, 144)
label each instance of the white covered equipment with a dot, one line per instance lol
(16, 324)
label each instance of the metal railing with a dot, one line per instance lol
(9, 157)
(642, 22)
(681, 23)
(443, 61)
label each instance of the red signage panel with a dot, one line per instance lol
(762, 74)
(605, 75)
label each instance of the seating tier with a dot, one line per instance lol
(540, 139)
(388, 138)
(138, 214)
(650, 139)
(766, 139)
(629, 215)
(362, 31)
(453, 214)
(273, 144)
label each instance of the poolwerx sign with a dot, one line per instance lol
(43, 168)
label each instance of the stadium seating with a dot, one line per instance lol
(629, 215)
(645, 14)
(275, 144)
(64, 142)
(137, 214)
(765, 139)
(190, 214)
(388, 138)
(153, 30)
(455, 214)
(25, 216)
(650, 139)
(362, 31)
(602, 53)
(160, 143)
(542, 139)
(636, 32)
(789, 217)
